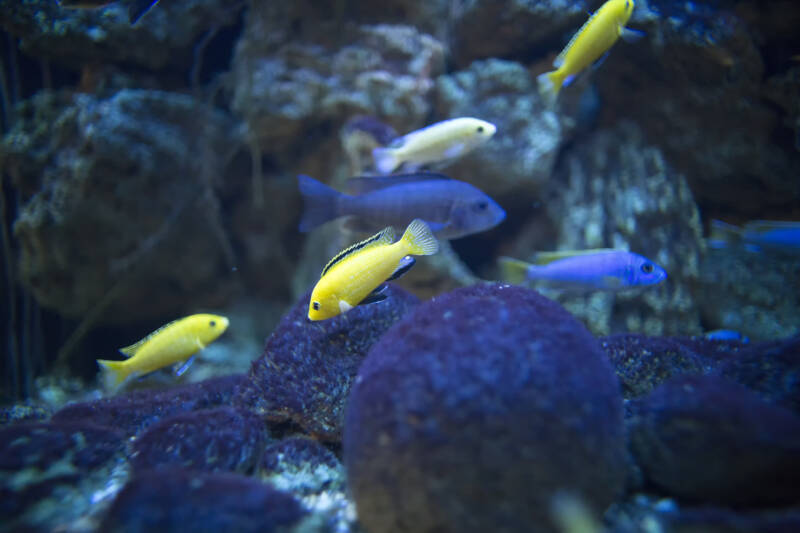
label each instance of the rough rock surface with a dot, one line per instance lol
(460, 420)
(219, 439)
(308, 367)
(617, 191)
(122, 173)
(181, 500)
(709, 440)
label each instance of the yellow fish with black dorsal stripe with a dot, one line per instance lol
(173, 343)
(594, 39)
(355, 276)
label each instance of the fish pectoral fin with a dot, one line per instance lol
(182, 366)
(378, 295)
(405, 264)
(454, 151)
(199, 344)
(344, 306)
(631, 36)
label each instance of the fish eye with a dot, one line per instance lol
(480, 129)
(315, 306)
(648, 268)
(482, 205)
(212, 323)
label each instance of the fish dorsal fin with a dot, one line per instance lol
(559, 60)
(544, 258)
(365, 184)
(385, 236)
(130, 351)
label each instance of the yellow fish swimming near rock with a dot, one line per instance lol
(173, 343)
(443, 141)
(356, 275)
(593, 40)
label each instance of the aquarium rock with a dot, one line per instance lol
(520, 26)
(134, 175)
(761, 306)
(308, 367)
(707, 439)
(642, 363)
(39, 459)
(174, 499)
(295, 88)
(218, 439)
(77, 37)
(132, 412)
(617, 191)
(302, 465)
(522, 154)
(475, 410)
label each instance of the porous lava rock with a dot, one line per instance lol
(307, 368)
(474, 411)
(219, 439)
(132, 412)
(706, 439)
(182, 500)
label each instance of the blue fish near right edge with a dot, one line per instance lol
(589, 270)
(451, 208)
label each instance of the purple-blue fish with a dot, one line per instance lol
(600, 269)
(757, 235)
(451, 208)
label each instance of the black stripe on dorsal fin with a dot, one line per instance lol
(365, 184)
(130, 351)
(385, 236)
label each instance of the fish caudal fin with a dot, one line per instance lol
(549, 85)
(513, 271)
(419, 239)
(385, 160)
(113, 373)
(321, 202)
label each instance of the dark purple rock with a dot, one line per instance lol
(180, 500)
(219, 439)
(303, 464)
(720, 520)
(772, 369)
(35, 458)
(706, 439)
(642, 362)
(307, 367)
(136, 410)
(474, 411)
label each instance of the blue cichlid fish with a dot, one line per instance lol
(726, 335)
(172, 344)
(601, 269)
(757, 235)
(451, 208)
(136, 8)
(588, 45)
(355, 276)
(436, 143)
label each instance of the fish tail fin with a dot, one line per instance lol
(385, 160)
(513, 270)
(549, 85)
(113, 373)
(723, 234)
(321, 202)
(419, 239)
(138, 8)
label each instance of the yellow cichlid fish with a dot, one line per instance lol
(174, 343)
(438, 142)
(593, 40)
(352, 277)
